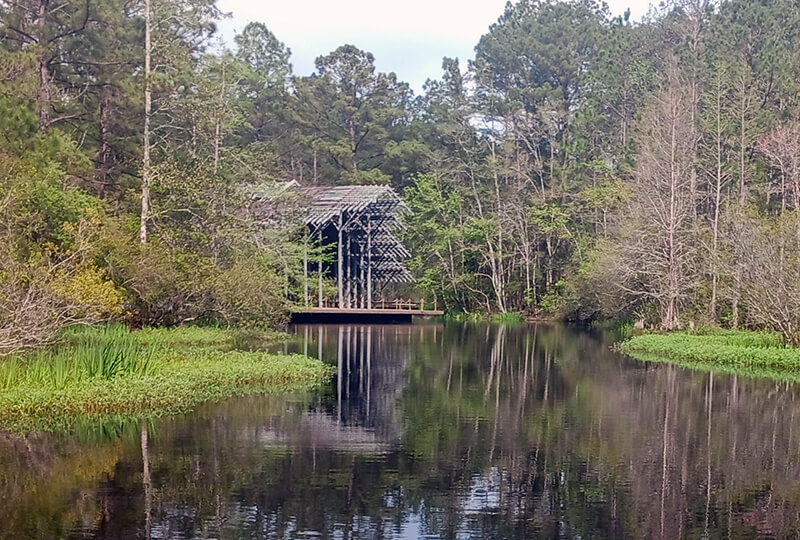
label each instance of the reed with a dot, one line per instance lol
(112, 374)
(104, 353)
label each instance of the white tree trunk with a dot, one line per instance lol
(146, 169)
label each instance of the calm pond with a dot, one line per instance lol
(434, 431)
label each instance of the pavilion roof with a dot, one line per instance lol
(373, 211)
(329, 202)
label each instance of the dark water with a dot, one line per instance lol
(434, 431)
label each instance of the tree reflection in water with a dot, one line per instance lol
(449, 431)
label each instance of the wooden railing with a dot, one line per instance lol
(400, 304)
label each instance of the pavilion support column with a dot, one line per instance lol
(319, 268)
(340, 262)
(305, 273)
(349, 276)
(361, 279)
(369, 265)
(356, 280)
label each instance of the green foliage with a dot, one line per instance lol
(553, 303)
(105, 353)
(463, 317)
(732, 351)
(250, 292)
(353, 118)
(509, 318)
(522, 167)
(114, 373)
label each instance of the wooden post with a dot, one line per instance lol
(369, 264)
(341, 265)
(361, 279)
(305, 273)
(422, 304)
(349, 275)
(319, 277)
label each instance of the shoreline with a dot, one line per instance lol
(189, 367)
(735, 352)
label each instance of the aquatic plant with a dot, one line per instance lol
(103, 353)
(507, 318)
(115, 374)
(733, 351)
(182, 384)
(463, 317)
(510, 318)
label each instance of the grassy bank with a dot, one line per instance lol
(757, 354)
(508, 318)
(111, 373)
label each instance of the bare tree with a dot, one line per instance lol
(771, 279)
(781, 147)
(657, 247)
(716, 147)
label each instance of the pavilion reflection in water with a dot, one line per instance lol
(370, 362)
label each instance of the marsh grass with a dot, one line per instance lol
(509, 318)
(115, 375)
(758, 354)
(104, 353)
(464, 318)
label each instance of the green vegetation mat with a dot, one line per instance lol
(755, 354)
(508, 318)
(111, 373)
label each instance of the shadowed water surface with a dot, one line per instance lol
(433, 431)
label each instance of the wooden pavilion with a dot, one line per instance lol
(364, 223)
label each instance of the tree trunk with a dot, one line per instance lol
(103, 153)
(717, 204)
(44, 95)
(146, 169)
(218, 126)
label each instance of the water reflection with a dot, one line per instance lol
(439, 431)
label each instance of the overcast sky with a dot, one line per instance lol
(409, 37)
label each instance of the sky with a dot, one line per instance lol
(408, 37)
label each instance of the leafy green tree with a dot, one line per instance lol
(353, 117)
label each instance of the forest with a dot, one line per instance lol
(581, 166)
